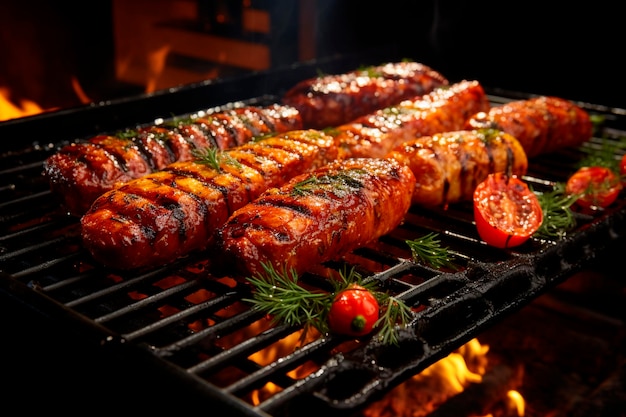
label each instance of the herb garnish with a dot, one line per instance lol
(280, 295)
(558, 217)
(604, 155)
(336, 183)
(214, 158)
(428, 250)
(127, 134)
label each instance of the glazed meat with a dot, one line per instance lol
(155, 219)
(333, 100)
(80, 172)
(541, 124)
(318, 217)
(448, 166)
(445, 108)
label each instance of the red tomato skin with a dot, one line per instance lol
(508, 189)
(599, 186)
(353, 312)
(622, 168)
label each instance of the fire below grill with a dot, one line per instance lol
(178, 335)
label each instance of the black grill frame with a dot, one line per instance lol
(54, 279)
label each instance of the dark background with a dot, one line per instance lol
(571, 50)
(563, 48)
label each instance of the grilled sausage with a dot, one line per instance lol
(448, 166)
(333, 100)
(541, 124)
(80, 172)
(317, 217)
(160, 217)
(445, 108)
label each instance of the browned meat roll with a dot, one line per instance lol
(541, 124)
(160, 217)
(80, 172)
(333, 100)
(445, 108)
(318, 217)
(448, 166)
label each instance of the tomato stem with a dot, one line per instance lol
(358, 323)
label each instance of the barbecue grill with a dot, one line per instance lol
(178, 334)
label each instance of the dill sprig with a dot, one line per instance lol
(214, 158)
(279, 294)
(558, 218)
(428, 249)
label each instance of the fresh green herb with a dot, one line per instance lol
(179, 121)
(214, 158)
(162, 136)
(262, 137)
(428, 250)
(603, 155)
(337, 183)
(127, 134)
(279, 295)
(558, 218)
(372, 71)
(487, 134)
(394, 312)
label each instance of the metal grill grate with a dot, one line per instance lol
(198, 326)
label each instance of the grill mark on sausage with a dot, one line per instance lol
(317, 216)
(190, 200)
(166, 140)
(333, 100)
(542, 124)
(449, 165)
(206, 128)
(444, 109)
(111, 153)
(265, 120)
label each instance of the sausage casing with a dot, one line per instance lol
(155, 219)
(542, 124)
(445, 108)
(80, 172)
(448, 166)
(318, 217)
(333, 100)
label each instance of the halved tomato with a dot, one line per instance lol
(597, 186)
(506, 211)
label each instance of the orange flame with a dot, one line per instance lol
(9, 110)
(425, 392)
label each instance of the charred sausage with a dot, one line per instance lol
(80, 172)
(541, 124)
(318, 217)
(445, 108)
(155, 219)
(333, 100)
(448, 166)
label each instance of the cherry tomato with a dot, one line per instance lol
(622, 168)
(353, 312)
(598, 186)
(506, 211)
